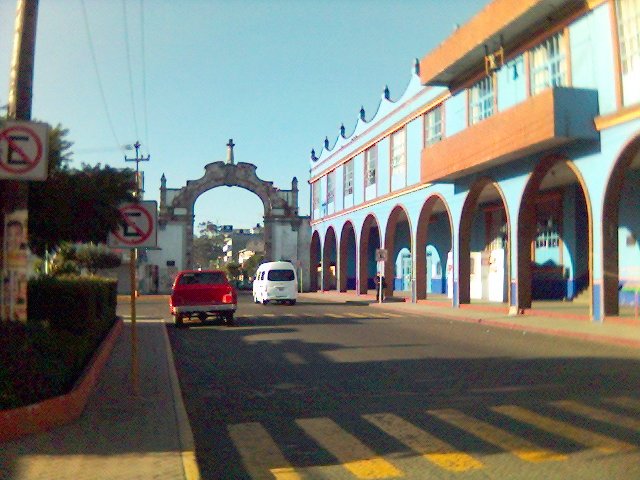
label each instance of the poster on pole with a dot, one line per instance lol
(138, 226)
(24, 151)
(13, 295)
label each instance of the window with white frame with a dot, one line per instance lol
(548, 64)
(481, 100)
(371, 164)
(331, 186)
(315, 191)
(398, 152)
(433, 126)
(348, 178)
(628, 20)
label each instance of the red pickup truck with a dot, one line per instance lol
(202, 293)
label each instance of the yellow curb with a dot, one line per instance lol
(187, 449)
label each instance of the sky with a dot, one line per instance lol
(185, 76)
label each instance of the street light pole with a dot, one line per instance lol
(133, 258)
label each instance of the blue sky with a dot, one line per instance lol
(277, 76)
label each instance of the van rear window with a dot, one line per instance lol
(202, 278)
(280, 275)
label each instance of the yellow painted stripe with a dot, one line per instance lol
(270, 315)
(392, 315)
(625, 402)
(350, 452)
(190, 466)
(333, 315)
(260, 455)
(575, 434)
(358, 315)
(518, 446)
(431, 448)
(598, 414)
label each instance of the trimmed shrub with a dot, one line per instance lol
(67, 320)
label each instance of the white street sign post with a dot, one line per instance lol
(381, 257)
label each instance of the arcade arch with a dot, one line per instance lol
(369, 243)
(484, 244)
(398, 267)
(329, 258)
(433, 244)
(315, 262)
(348, 256)
(554, 235)
(621, 229)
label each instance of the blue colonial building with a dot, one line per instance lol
(508, 172)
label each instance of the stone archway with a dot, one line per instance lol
(287, 235)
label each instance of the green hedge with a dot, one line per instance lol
(67, 320)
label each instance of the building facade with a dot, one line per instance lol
(508, 171)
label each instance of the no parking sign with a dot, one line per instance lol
(138, 226)
(24, 151)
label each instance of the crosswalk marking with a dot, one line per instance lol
(520, 447)
(295, 358)
(576, 434)
(333, 315)
(358, 315)
(261, 456)
(625, 402)
(392, 315)
(353, 454)
(598, 414)
(432, 448)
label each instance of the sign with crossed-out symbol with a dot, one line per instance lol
(23, 151)
(137, 226)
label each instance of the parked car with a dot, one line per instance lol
(275, 281)
(201, 294)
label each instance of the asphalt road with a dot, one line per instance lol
(344, 391)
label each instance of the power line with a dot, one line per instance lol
(97, 70)
(126, 41)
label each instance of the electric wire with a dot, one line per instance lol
(97, 70)
(144, 78)
(128, 50)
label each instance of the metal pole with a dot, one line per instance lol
(134, 334)
(14, 195)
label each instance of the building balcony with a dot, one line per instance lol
(553, 118)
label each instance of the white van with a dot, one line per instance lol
(275, 282)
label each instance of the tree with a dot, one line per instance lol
(75, 205)
(251, 265)
(207, 250)
(233, 270)
(94, 257)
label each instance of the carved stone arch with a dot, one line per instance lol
(280, 206)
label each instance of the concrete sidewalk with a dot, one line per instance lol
(609, 332)
(119, 435)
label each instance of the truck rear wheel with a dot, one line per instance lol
(228, 319)
(177, 318)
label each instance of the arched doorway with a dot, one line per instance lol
(554, 236)
(315, 263)
(398, 267)
(329, 273)
(369, 243)
(347, 262)
(483, 265)
(433, 250)
(621, 230)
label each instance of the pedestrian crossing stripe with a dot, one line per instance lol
(431, 448)
(598, 414)
(523, 449)
(353, 454)
(260, 455)
(333, 315)
(625, 402)
(358, 315)
(578, 435)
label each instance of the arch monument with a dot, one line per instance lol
(287, 235)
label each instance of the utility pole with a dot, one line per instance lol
(133, 260)
(14, 194)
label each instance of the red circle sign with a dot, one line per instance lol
(143, 233)
(27, 147)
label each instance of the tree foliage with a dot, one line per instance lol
(94, 257)
(75, 205)
(251, 265)
(233, 270)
